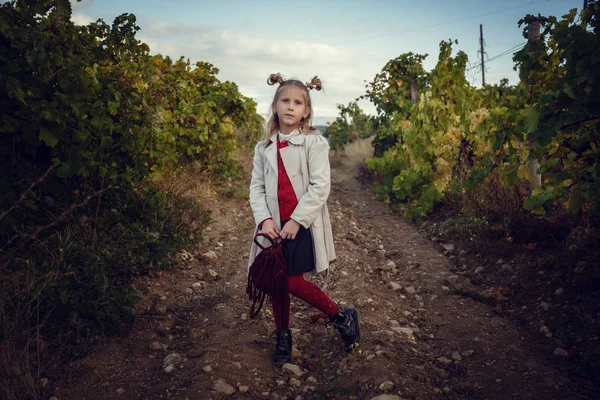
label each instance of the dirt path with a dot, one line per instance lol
(421, 339)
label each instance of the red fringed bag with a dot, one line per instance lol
(267, 276)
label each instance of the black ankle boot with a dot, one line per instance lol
(346, 322)
(283, 348)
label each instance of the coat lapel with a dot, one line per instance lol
(271, 153)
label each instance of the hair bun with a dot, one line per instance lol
(315, 83)
(275, 78)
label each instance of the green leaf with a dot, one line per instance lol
(531, 118)
(64, 171)
(112, 107)
(511, 177)
(535, 205)
(98, 122)
(48, 137)
(569, 91)
(64, 7)
(575, 203)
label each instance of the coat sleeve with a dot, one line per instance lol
(258, 201)
(319, 176)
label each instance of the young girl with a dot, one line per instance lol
(289, 189)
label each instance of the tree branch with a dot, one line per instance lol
(24, 194)
(43, 228)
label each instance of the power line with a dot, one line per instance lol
(397, 32)
(513, 49)
(507, 52)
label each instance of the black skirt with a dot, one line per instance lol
(300, 252)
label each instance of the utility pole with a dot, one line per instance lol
(533, 33)
(482, 62)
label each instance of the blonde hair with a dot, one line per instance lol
(272, 125)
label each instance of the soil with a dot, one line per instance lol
(430, 327)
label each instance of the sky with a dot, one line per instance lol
(346, 43)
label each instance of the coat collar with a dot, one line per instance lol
(271, 151)
(297, 137)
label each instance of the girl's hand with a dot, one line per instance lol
(290, 229)
(270, 229)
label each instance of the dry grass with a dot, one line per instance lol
(191, 182)
(354, 153)
(350, 161)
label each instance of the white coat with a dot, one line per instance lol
(306, 162)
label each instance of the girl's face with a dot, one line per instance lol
(290, 108)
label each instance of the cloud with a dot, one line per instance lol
(80, 18)
(242, 46)
(168, 30)
(248, 60)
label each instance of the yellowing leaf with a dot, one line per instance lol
(523, 173)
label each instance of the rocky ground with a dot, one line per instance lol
(426, 334)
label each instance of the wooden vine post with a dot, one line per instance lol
(533, 164)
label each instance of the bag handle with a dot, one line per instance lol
(273, 242)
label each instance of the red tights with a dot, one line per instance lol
(307, 291)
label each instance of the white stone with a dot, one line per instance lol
(197, 287)
(386, 386)
(405, 330)
(213, 274)
(468, 353)
(220, 386)
(155, 346)
(171, 359)
(294, 369)
(210, 256)
(560, 353)
(449, 247)
(169, 368)
(545, 331)
(387, 397)
(295, 382)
